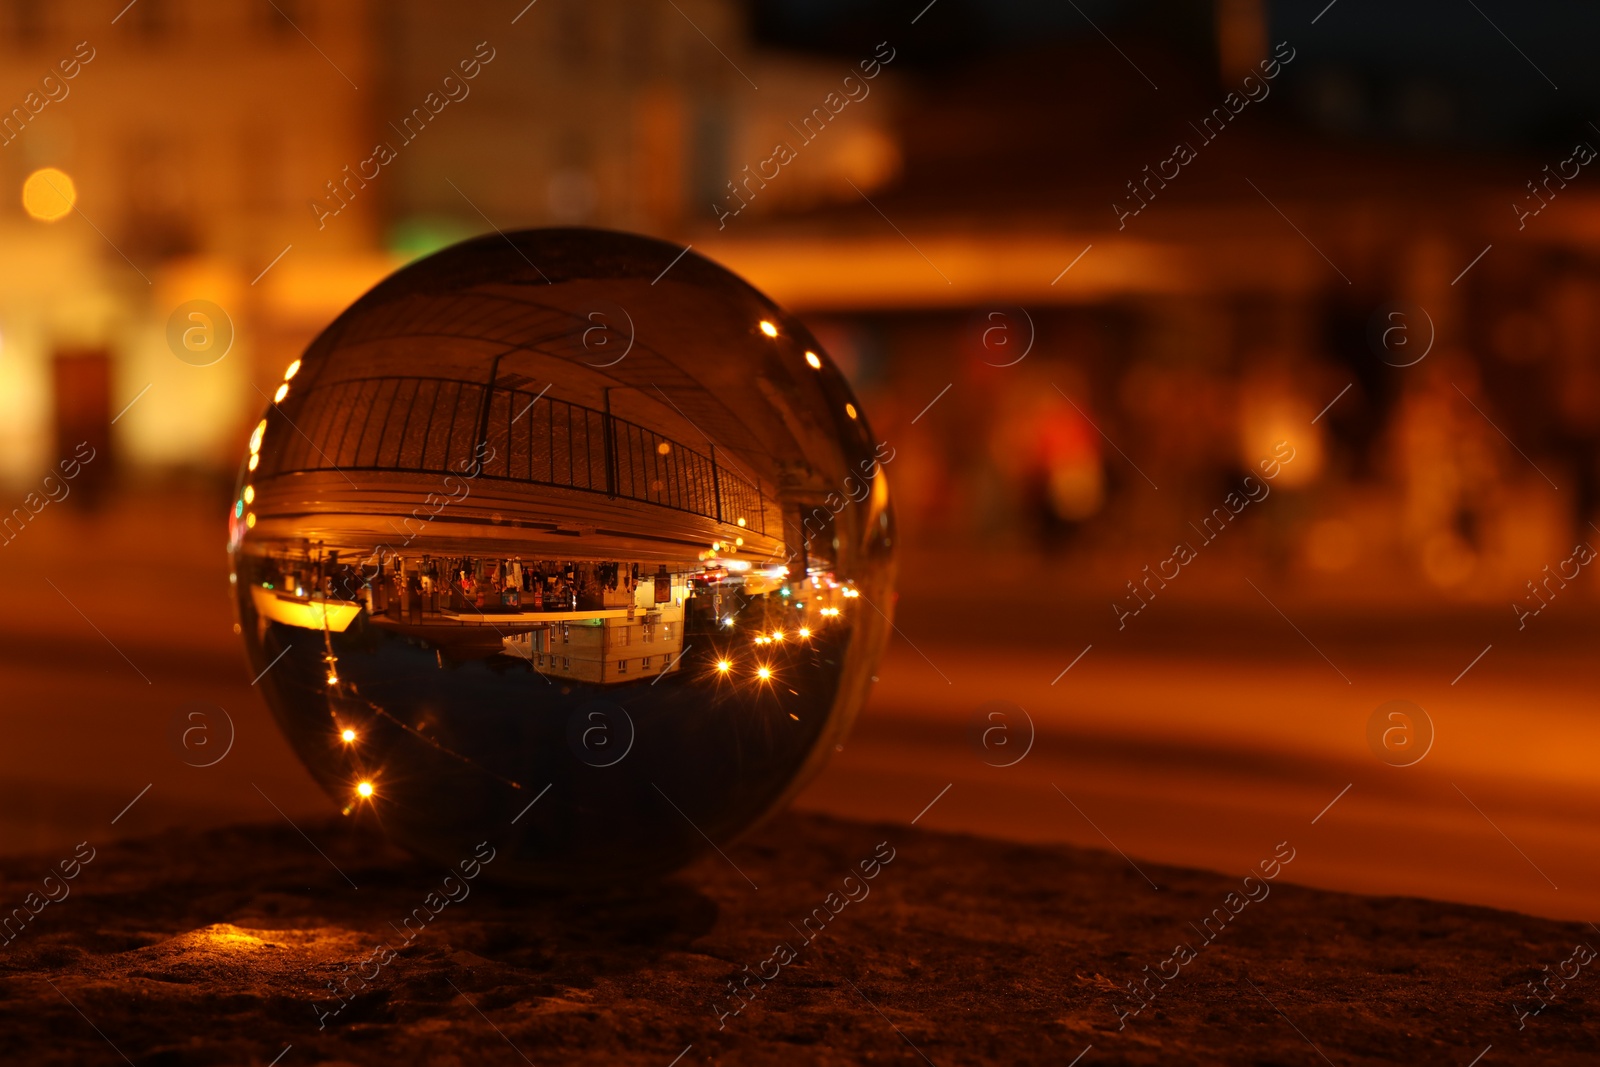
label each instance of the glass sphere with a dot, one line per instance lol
(569, 541)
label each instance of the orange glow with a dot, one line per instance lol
(768, 328)
(811, 358)
(294, 368)
(250, 520)
(724, 666)
(255, 438)
(850, 409)
(741, 522)
(347, 736)
(228, 935)
(805, 632)
(364, 789)
(283, 391)
(764, 673)
(255, 461)
(858, 271)
(48, 194)
(249, 494)
(777, 635)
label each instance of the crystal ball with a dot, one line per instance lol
(568, 541)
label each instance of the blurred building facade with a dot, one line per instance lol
(1076, 343)
(277, 162)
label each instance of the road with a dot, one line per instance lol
(1214, 728)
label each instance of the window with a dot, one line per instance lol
(638, 48)
(283, 18)
(622, 666)
(153, 19)
(566, 662)
(262, 184)
(573, 39)
(28, 21)
(644, 664)
(566, 634)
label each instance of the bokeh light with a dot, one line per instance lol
(49, 194)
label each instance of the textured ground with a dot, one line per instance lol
(217, 947)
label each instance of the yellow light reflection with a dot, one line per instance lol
(811, 358)
(249, 494)
(283, 391)
(294, 368)
(850, 409)
(768, 328)
(309, 615)
(764, 673)
(48, 194)
(347, 736)
(226, 935)
(724, 666)
(364, 789)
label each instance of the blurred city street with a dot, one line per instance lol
(393, 394)
(1202, 735)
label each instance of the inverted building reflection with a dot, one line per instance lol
(480, 557)
(592, 621)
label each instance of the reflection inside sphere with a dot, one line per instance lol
(534, 549)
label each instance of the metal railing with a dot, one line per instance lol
(434, 426)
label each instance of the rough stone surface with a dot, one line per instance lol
(219, 947)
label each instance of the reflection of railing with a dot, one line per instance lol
(434, 425)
